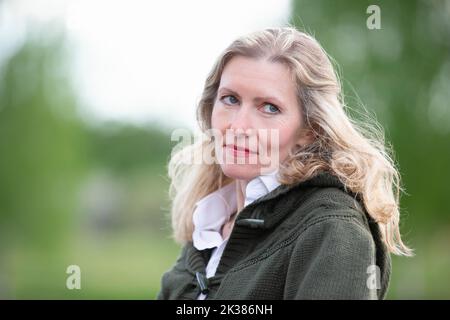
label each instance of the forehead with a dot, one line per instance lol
(258, 77)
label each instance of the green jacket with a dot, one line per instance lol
(310, 240)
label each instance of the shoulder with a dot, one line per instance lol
(332, 259)
(340, 231)
(333, 218)
(332, 253)
(329, 205)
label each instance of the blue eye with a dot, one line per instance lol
(229, 96)
(272, 108)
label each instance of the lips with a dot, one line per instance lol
(238, 148)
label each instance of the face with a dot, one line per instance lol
(257, 114)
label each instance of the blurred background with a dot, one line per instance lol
(90, 92)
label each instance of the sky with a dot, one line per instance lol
(142, 61)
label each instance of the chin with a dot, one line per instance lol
(241, 171)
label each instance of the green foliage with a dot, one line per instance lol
(124, 147)
(41, 145)
(48, 159)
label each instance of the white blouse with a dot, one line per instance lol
(215, 209)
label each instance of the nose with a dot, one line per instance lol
(242, 130)
(242, 121)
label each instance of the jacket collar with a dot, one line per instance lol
(272, 212)
(215, 209)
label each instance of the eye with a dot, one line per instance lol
(233, 99)
(270, 108)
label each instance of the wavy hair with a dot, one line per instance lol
(353, 151)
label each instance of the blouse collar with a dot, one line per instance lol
(215, 209)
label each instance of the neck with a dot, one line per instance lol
(240, 193)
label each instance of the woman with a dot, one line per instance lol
(310, 214)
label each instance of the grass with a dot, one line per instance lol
(127, 265)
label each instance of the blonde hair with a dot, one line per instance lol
(358, 156)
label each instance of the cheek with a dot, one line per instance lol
(287, 140)
(288, 132)
(218, 118)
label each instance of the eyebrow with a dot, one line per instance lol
(278, 101)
